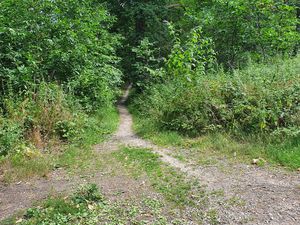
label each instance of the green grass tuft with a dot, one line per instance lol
(165, 179)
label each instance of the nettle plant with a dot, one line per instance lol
(191, 57)
(147, 65)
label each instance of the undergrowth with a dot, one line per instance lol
(76, 153)
(208, 148)
(262, 99)
(253, 112)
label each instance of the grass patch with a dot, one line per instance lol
(206, 149)
(185, 195)
(166, 180)
(75, 154)
(20, 167)
(146, 128)
(89, 206)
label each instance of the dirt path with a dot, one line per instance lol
(258, 195)
(264, 196)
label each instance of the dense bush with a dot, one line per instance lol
(261, 99)
(63, 41)
(246, 28)
(34, 116)
(57, 59)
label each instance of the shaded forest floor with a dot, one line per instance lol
(149, 183)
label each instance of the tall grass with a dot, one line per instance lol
(48, 129)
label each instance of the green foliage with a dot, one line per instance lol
(57, 61)
(79, 209)
(258, 100)
(66, 129)
(191, 57)
(10, 135)
(138, 21)
(63, 41)
(258, 105)
(146, 67)
(231, 31)
(34, 116)
(240, 28)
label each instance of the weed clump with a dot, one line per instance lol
(80, 208)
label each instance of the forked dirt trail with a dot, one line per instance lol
(264, 196)
(258, 195)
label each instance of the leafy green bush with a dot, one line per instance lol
(145, 68)
(56, 59)
(66, 129)
(67, 42)
(10, 135)
(261, 99)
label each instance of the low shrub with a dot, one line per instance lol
(259, 100)
(10, 135)
(37, 117)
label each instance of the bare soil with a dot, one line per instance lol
(256, 195)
